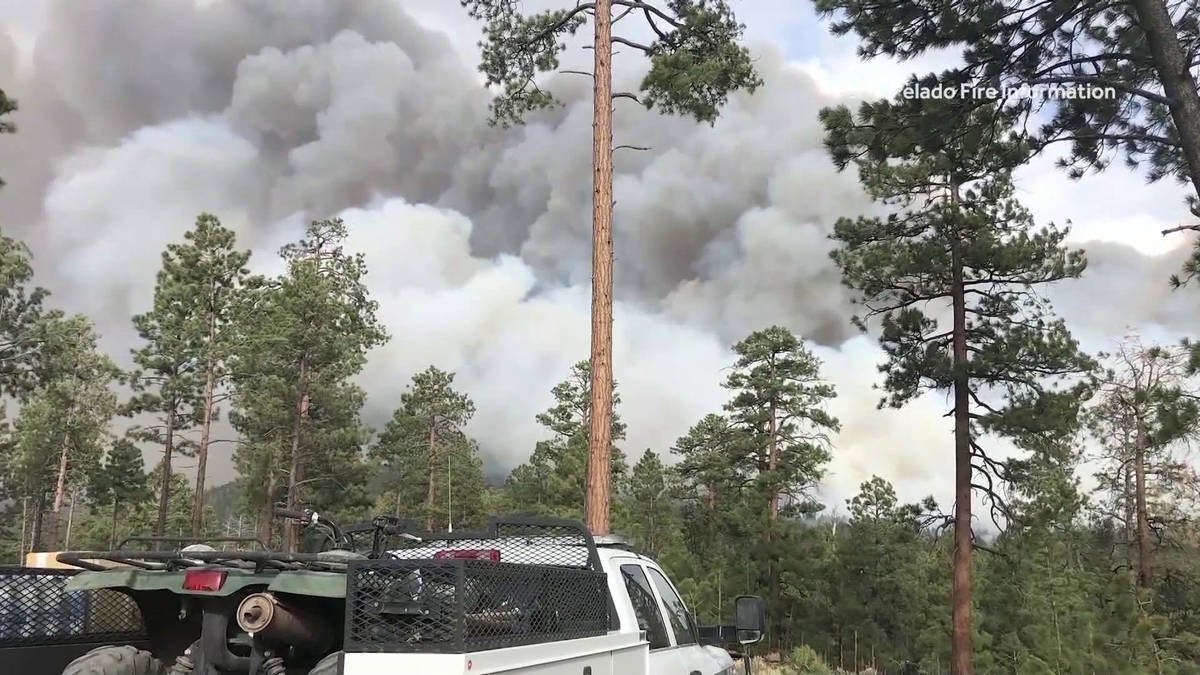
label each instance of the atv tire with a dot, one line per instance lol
(124, 660)
(327, 665)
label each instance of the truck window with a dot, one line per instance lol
(681, 620)
(644, 605)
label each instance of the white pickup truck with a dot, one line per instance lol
(604, 610)
(528, 596)
(651, 629)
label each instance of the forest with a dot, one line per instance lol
(1102, 579)
(1071, 544)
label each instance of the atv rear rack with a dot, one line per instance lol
(172, 560)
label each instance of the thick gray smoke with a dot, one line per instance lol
(138, 114)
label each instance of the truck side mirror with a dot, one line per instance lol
(749, 619)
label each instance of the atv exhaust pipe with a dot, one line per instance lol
(264, 615)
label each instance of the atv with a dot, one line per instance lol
(230, 612)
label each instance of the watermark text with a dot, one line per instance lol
(1043, 92)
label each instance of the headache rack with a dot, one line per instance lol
(522, 581)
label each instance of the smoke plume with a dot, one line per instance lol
(136, 115)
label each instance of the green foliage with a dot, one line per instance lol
(120, 485)
(1007, 45)
(958, 229)
(803, 660)
(779, 408)
(433, 465)
(1053, 594)
(695, 61)
(301, 337)
(23, 322)
(552, 481)
(7, 107)
(63, 427)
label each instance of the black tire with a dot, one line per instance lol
(124, 660)
(327, 665)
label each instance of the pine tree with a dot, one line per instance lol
(64, 423)
(695, 63)
(435, 468)
(553, 481)
(650, 512)
(779, 400)
(23, 321)
(121, 483)
(959, 237)
(302, 337)
(1134, 56)
(1143, 411)
(179, 370)
(164, 380)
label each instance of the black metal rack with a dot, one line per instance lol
(36, 609)
(434, 593)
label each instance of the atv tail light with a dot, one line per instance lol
(204, 580)
(469, 554)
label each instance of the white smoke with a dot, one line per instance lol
(139, 114)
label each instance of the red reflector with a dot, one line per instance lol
(469, 554)
(203, 580)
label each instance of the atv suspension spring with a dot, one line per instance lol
(183, 664)
(274, 666)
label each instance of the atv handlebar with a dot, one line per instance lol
(310, 518)
(303, 516)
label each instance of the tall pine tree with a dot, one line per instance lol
(302, 337)
(957, 244)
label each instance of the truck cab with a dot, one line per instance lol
(647, 601)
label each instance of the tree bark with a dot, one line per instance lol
(960, 637)
(112, 534)
(266, 519)
(1145, 560)
(431, 477)
(60, 483)
(773, 459)
(205, 434)
(1172, 64)
(1129, 495)
(773, 514)
(164, 496)
(39, 523)
(600, 440)
(291, 537)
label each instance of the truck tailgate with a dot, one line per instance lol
(614, 654)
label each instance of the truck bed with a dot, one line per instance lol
(612, 654)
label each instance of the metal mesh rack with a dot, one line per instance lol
(36, 609)
(524, 581)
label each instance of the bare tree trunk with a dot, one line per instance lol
(431, 478)
(1173, 66)
(39, 522)
(1128, 496)
(266, 519)
(164, 495)
(960, 637)
(1145, 563)
(296, 471)
(205, 434)
(600, 440)
(112, 533)
(773, 459)
(773, 514)
(60, 484)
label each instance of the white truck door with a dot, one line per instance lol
(665, 656)
(696, 659)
